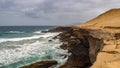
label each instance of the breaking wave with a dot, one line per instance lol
(16, 52)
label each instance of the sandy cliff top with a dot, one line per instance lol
(109, 20)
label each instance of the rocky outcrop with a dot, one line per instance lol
(83, 45)
(42, 64)
(90, 47)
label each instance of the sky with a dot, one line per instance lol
(52, 12)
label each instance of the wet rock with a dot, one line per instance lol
(63, 46)
(50, 40)
(42, 64)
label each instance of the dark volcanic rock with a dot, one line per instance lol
(60, 29)
(42, 64)
(82, 46)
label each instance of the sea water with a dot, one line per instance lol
(23, 45)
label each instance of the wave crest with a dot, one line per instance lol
(45, 35)
(15, 32)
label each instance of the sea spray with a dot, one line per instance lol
(26, 50)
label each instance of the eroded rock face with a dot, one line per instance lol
(109, 56)
(83, 47)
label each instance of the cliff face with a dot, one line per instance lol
(97, 42)
(82, 46)
(109, 56)
(90, 47)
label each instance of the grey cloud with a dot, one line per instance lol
(57, 11)
(6, 4)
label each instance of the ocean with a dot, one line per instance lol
(23, 45)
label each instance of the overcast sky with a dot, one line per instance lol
(52, 12)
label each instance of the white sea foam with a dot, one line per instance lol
(26, 38)
(37, 32)
(42, 49)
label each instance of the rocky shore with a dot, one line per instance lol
(95, 44)
(83, 44)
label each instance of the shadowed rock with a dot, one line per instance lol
(42, 64)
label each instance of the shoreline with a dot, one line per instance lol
(94, 44)
(83, 44)
(77, 42)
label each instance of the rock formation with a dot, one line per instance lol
(96, 42)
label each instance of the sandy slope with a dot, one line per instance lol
(109, 20)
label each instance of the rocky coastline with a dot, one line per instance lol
(86, 44)
(83, 44)
(91, 46)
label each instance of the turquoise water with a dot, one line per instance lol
(20, 31)
(22, 45)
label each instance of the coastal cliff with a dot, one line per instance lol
(94, 44)
(93, 48)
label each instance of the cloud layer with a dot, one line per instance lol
(52, 12)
